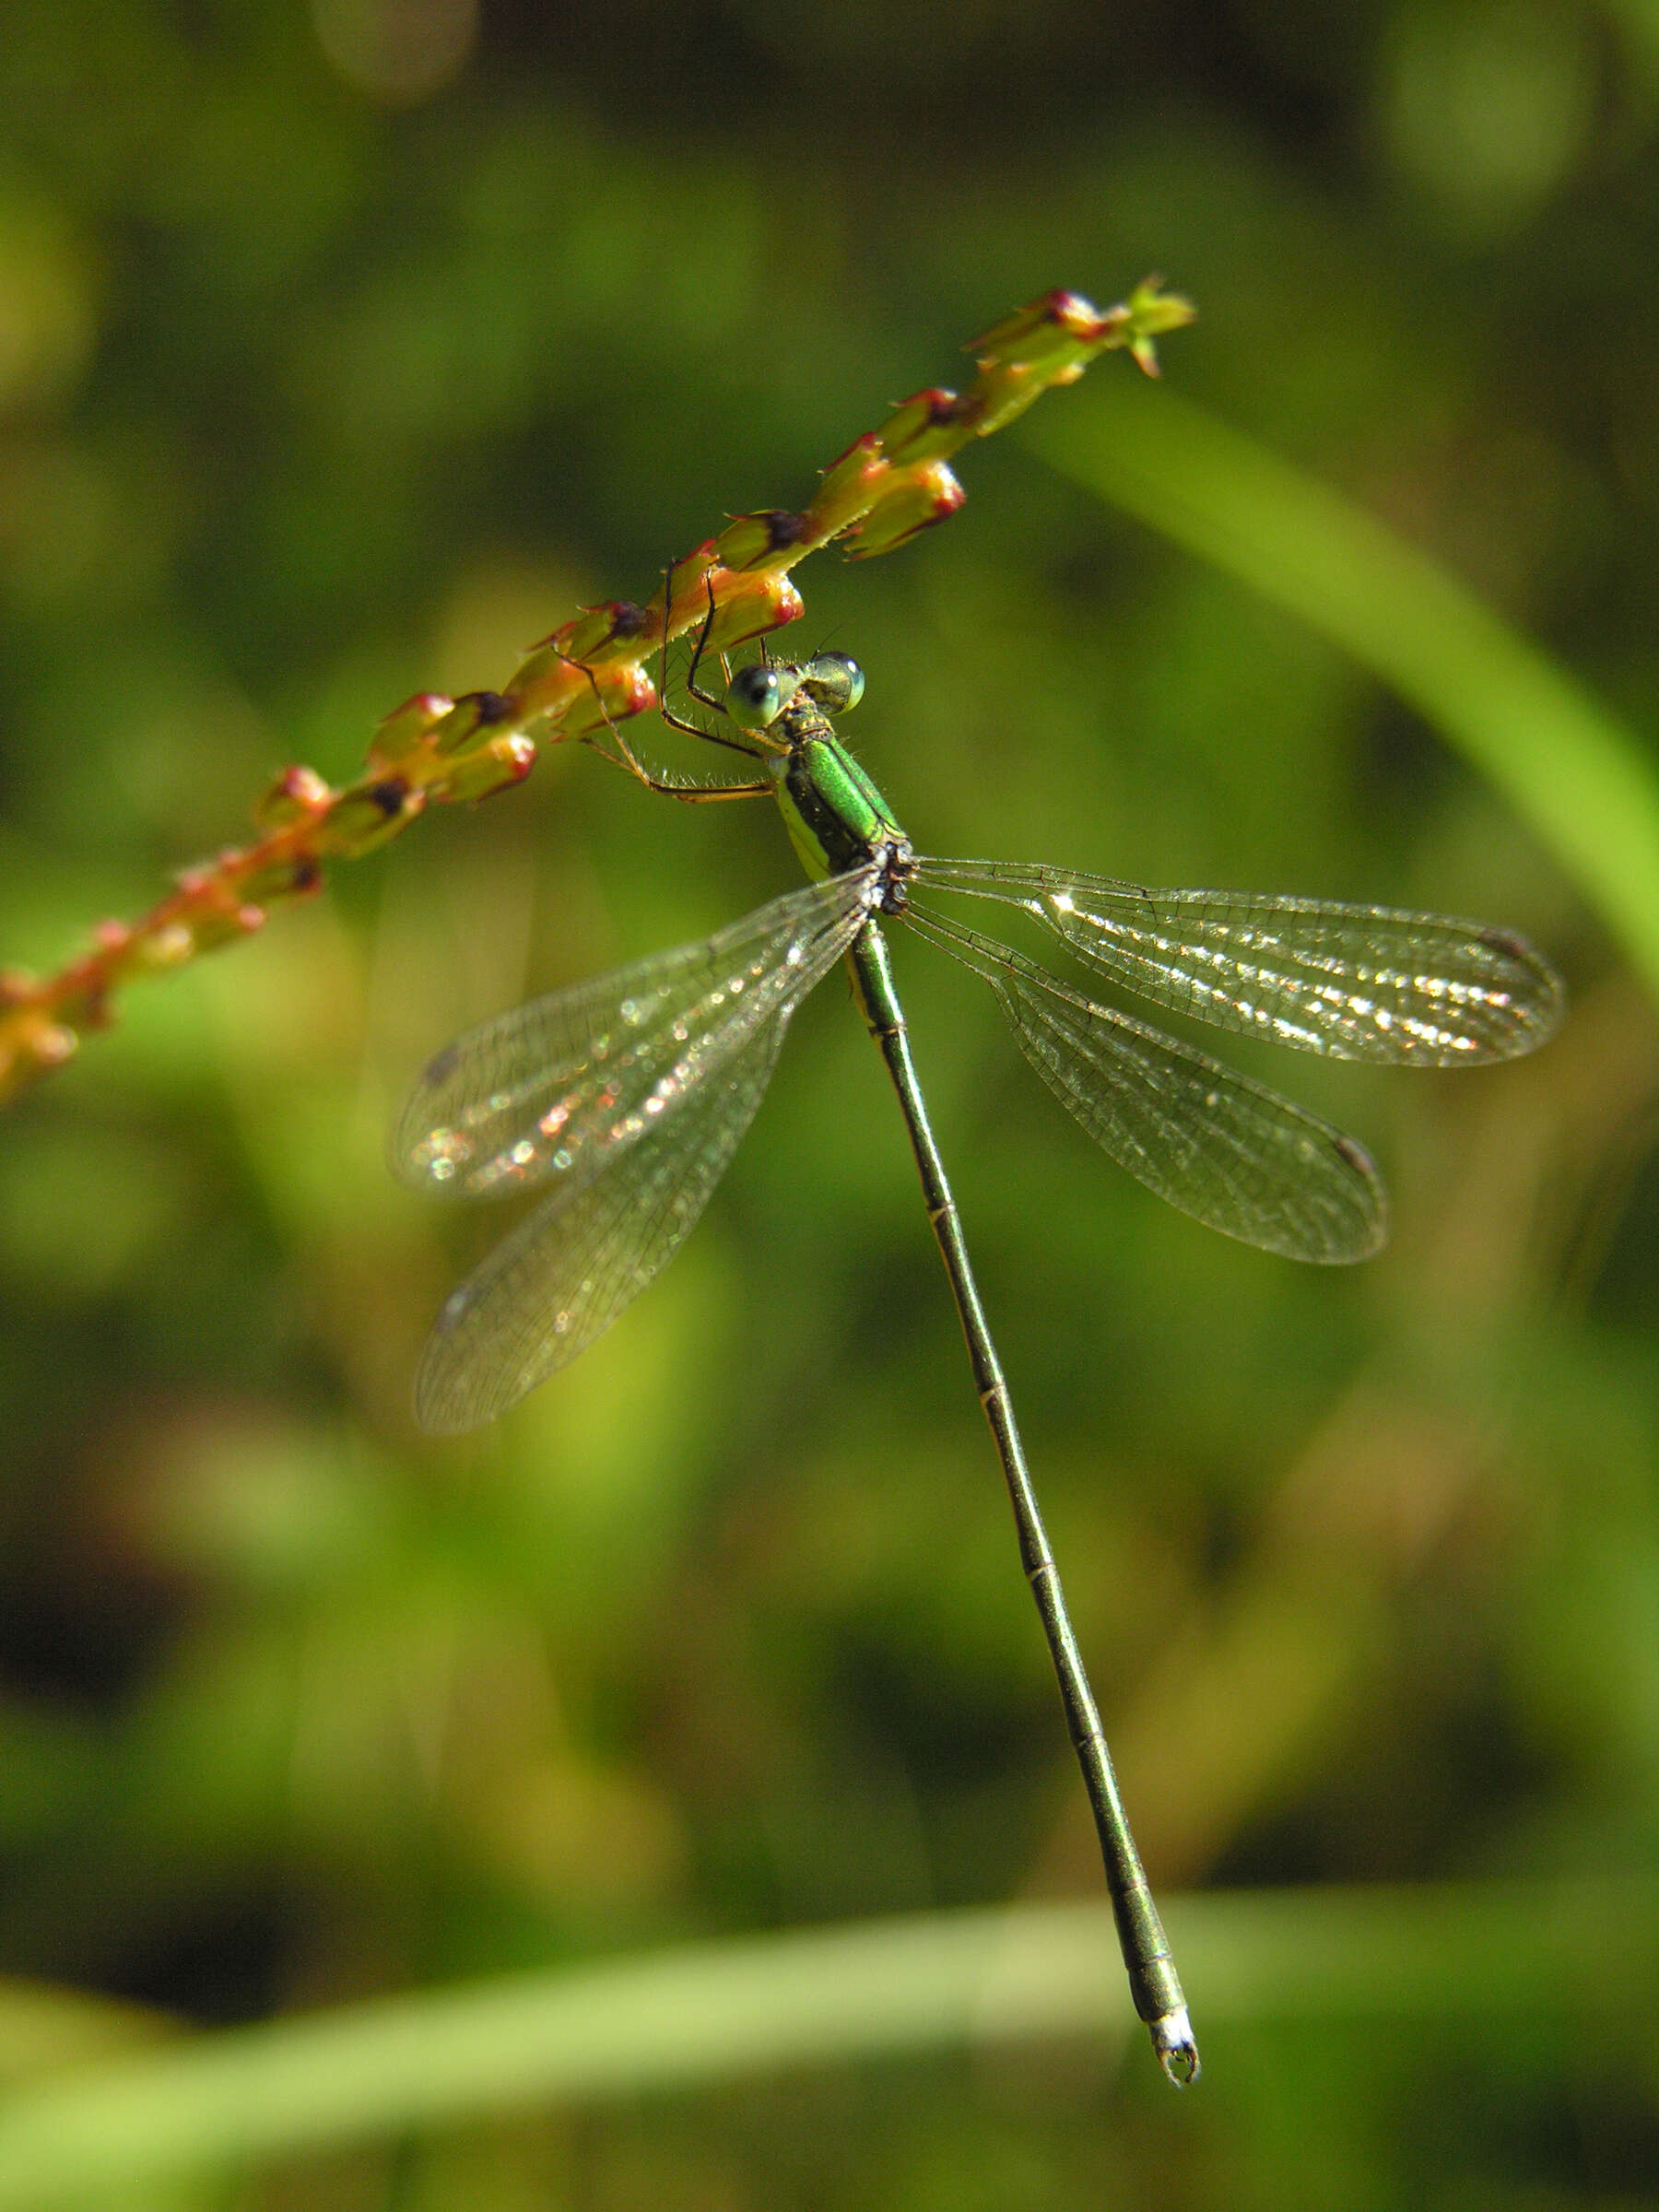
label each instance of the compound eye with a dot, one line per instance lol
(835, 680)
(757, 696)
(853, 677)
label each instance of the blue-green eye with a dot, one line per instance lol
(834, 680)
(758, 695)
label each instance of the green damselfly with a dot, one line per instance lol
(625, 1098)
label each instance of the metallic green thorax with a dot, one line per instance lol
(836, 818)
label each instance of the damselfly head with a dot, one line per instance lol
(758, 695)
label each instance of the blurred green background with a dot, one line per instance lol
(344, 351)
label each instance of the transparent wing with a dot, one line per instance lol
(556, 1089)
(1227, 1151)
(1363, 982)
(573, 1263)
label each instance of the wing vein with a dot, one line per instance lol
(1360, 983)
(1227, 1151)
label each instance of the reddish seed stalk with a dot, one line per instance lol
(590, 674)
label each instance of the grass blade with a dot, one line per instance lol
(1564, 761)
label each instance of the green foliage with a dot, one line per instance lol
(333, 368)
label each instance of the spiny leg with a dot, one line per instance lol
(703, 698)
(706, 698)
(693, 794)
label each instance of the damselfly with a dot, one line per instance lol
(624, 1099)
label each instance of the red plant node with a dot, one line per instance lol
(924, 496)
(763, 601)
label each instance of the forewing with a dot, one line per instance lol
(557, 1088)
(566, 1271)
(1361, 983)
